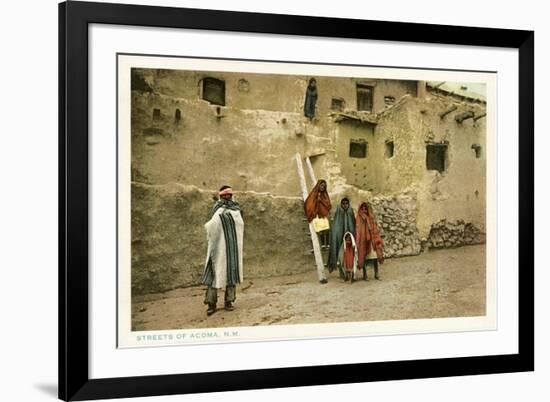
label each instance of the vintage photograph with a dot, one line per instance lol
(267, 199)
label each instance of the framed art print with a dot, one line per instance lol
(257, 200)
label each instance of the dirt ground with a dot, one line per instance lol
(442, 283)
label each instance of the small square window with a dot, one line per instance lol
(156, 114)
(358, 148)
(436, 157)
(477, 149)
(337, 104)
(213, 91)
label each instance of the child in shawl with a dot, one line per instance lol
(317, 204)
(369, 243)
(311, 99)
(344, 221)
(347, 257)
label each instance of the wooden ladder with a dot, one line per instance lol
(314, 239)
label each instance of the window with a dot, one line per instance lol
(156, 114)
(337, 104)
(388, 153)
(243, 85)
(138, 82)
(177, 116)
(358, 148)
(213, 91)
(436, 157)
(364, 97)
(477, 149)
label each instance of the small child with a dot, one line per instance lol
(348, 257)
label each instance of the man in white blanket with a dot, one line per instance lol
(224, 259)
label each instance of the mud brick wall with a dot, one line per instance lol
(169, 240)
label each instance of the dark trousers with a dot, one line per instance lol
(324, 238)
(375, 264)
(211, 296)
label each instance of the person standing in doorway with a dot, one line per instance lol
(311, 99)
(224, 259)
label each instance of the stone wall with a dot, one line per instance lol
(396, 218)
(445, 234)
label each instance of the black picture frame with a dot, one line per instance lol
(74, 18)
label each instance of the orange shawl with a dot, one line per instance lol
(317, 203)
(367, 235)
(348, 257)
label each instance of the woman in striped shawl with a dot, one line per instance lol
(224, 259)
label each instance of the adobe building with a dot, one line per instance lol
(414, 149)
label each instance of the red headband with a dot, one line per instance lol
(226, 191)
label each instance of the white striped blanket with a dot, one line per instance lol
(224, 258)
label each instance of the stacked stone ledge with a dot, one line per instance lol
(444, 234)
(396, 218)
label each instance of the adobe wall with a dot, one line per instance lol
(273, 92)
(258, 131)
(456, 194)
(251, 150)
(357, 171)
(177, 166)
(169, 241)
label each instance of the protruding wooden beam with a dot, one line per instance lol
(446, 112)
(476, 118)
(464, 116)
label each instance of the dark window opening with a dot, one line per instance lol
(477, 149)
(389, 149)
(358, 149)
(436, 157)
(364, 97)
(156, 114)
(213, 91)
(138, 82)
(177, 116)
(337, 104)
